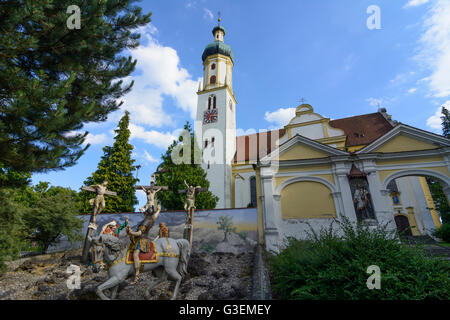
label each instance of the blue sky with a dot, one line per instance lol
(320, 50)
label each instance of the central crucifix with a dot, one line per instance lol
(151, 190)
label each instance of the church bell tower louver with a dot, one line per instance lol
(216, 116)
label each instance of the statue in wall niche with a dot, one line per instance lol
(361, 198)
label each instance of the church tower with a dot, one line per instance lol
(216, 116)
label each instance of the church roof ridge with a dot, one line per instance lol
(360, 115)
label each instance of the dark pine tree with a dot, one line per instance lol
(445, 122)
(173, 176)
(116, 167)
(53, 79)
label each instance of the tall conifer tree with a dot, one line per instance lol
(116, 167)
(54, 78)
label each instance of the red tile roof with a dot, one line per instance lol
(363, 129)
(360, 130)
(256, 146)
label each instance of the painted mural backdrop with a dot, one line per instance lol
(243, 219)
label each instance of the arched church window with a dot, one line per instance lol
(213, 66)
(206, 143)
(212, 80)
(214, 102)
(209, 103)
(212, 142)
(253, 191)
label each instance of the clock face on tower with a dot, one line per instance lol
(210, 116)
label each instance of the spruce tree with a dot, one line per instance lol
(116, 167)
(54, 78)
(173, 176)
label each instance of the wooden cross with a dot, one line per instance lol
(189, 207)
(151, 187)
(91, 189)
(98, 205)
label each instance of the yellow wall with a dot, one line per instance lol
(404, 143)
(299, 152)
(307, 199)
(430, 202)
(355, 148)
(329, 177)
(259, 205)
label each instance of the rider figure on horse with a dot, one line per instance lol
(139, 239)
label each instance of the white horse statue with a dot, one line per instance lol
(111, 252)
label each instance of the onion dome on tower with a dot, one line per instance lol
(218, 46)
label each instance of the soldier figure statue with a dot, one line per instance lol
(139, 239)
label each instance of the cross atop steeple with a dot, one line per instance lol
(302, 100)
(219, 15)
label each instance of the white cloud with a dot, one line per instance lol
(434, 50)
(280, 117)
(160, 74)
(149, 158)
(375, 102)
(152, 29)
(412, 90)
(92, 139)
(399, 79)
(435, 122)
(96, 138)
(382, 102)
(207, 14)
(415, 3)
(156, 138)
(191, 4)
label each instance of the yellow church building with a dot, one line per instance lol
(367, 168)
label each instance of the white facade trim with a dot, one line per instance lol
(416, 172)
(303, 173)
(412, 165)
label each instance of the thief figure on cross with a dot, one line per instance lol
(189, 207)
(98, 204)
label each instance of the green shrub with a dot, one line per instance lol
(332, 266)
(12, 228)
(443, 232)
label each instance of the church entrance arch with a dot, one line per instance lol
(430, 218)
